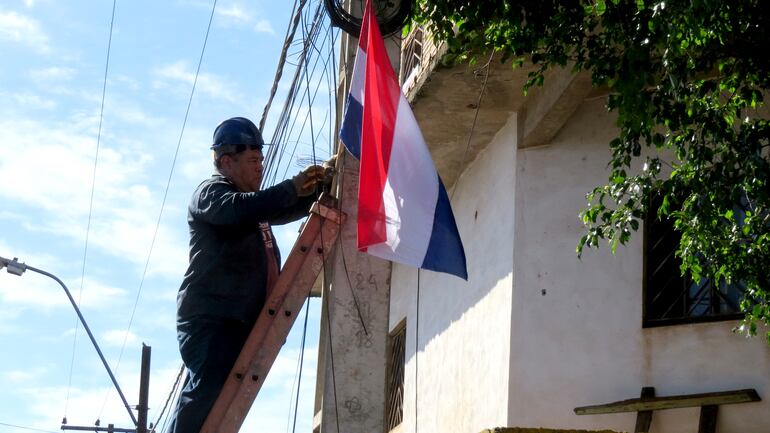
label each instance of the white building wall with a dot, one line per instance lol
(576, 335)
(462, 362)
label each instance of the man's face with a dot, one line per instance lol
(244, 169)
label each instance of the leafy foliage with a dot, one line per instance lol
(687, 80)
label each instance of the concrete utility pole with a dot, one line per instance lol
(17, 268)
(350, 388)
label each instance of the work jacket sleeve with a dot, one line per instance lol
(300, 210)
(218, 203)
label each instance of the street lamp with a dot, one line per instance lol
(16, 268)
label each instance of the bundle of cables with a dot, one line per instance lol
(390, 15)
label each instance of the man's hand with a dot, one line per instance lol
(330, 166)
(305, 182)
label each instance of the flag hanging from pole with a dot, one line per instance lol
(404, 214)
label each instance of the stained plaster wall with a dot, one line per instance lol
(462, 362)
(576, 333)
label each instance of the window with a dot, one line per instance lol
(669, 297)
(411, 57)
(394, 412)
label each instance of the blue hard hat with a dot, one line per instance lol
(236, 135)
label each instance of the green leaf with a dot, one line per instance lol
(601, 7)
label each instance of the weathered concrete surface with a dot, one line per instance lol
(535, 333)
(457, 362)
(577, 337)
(445, 107)
(350, 388)
(541, 430)
(547, 108)
(575, 327)
(354, 329)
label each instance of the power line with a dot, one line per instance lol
(290, 30)
(476, 115)
(171, 394)
(90, 206)
(308, 116)
(26, 428)
(301, 363)
(272, 165)
(168, 184)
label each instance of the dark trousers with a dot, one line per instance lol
(209, 348)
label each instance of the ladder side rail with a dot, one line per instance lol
(301, 269)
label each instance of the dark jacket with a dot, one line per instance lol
(227, 275)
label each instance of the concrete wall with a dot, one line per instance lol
(462, 357)
(576, 335)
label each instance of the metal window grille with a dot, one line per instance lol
(394, 411)
(411, 59)
(671, 298)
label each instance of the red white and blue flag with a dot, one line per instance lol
(404, 214)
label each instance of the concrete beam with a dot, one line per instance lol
(541, 430)
(446, 106)
(548, 108)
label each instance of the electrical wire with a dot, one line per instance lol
(325, 299)
(90, 207)
(288, 109)
(301, 361)
(344, 66)
(165, 193)
(174, 397)
(292, 124)
(171, 394)
(331, 358)
(476, 115)
(26, 428)
(307, 97)
(290, 30)
(416, 348)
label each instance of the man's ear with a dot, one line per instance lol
(225, 161)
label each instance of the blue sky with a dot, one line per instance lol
(51, 76)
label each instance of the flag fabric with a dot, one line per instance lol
(404, 214)
(350, 132)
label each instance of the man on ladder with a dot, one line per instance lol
(234, 261)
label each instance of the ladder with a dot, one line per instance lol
(299, 273)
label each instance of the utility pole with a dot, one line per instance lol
(141, 409)
(144, 390)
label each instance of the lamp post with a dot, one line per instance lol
(16, 268)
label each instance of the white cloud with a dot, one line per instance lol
(23, 377)
(52, 74)
(116, 337)
(234, 13)
(126, 82)
(32, 101)
(39, 291)
(56, 167)
(19, 28)
(29, 3)
(199, 162)
(237, 15)
(209, 84)
(269, 414)
(264, 26)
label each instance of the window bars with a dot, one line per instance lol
(394, 413)
(411, 57)
(671, 298)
